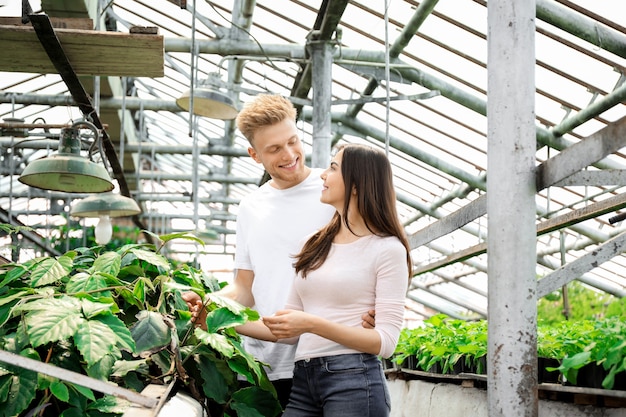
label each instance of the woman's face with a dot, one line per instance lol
(333, 191)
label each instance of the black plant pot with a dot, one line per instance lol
(545, 376)
(478, 366)
(388, 363)
(410, 362)
(590, 375)
(435, 369)
(620, 381)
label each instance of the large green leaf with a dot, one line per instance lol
(11, 295)
(8, 303)
(12, 274)
(108, 263)
(5, 385)
(139, 290)
(92, 309)
(217, 341)
(72, 412)
(130, 298)
(84, 282)
(59, 390)
(214, 384)
(123, 367)
(94, 340)
(240, 366)
(251, 361)
(104, 367)
(110, 404)
(50, 270)
(222, 318)
(234, 306)
(51, 320)
(181, 235)
(122, 335)
(83, 391)
(152, 258)
(21, 391)
(150, 332)
(255, 402)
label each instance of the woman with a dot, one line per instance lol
(359, 261)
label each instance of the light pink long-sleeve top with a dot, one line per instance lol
(370, 273)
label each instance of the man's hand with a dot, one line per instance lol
(369, 319)
(195, 305)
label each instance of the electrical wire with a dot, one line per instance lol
(387, 78)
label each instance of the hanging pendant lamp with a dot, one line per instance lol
(208, 101)
(111, 204)
(105, 206)
(67, 170)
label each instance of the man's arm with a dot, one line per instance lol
(240, 290)
(369, 320)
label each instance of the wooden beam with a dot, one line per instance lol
(602, 253)
(568, 219)
(90, 52)
(569, 161)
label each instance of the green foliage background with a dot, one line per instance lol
(117, 315)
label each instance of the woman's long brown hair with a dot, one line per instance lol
(368, 171)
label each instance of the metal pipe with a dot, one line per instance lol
(105, 387)
(322, 83)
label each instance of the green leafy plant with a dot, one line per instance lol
(584, 304)
(118, 316)
(600, 343)
(442, 343)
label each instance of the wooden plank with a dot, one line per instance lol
(57, 22)
(451, 222)
(459, 256)
(89, 52)
(606, 251)
(594, 178)
(575, 216)
(566, 163)
(582, 154)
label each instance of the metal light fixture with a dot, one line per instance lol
(105, 206)
(67, 170)
(209, 101)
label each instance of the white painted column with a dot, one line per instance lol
(512, 357)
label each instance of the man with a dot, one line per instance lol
(272, 224)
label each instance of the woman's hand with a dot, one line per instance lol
(286, 324)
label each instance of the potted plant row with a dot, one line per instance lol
(118, 316)
(444, 345)
(589, 353)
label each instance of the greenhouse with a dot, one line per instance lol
(123, 170)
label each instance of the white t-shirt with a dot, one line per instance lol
(271, 227)
(370, 273)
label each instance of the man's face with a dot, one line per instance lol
(279, 148)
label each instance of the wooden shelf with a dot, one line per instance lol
(90, 52)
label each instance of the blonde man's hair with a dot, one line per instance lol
(264, 110)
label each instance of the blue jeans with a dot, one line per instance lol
(351, 385)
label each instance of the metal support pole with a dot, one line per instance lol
(322, 93)
(511, 189)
